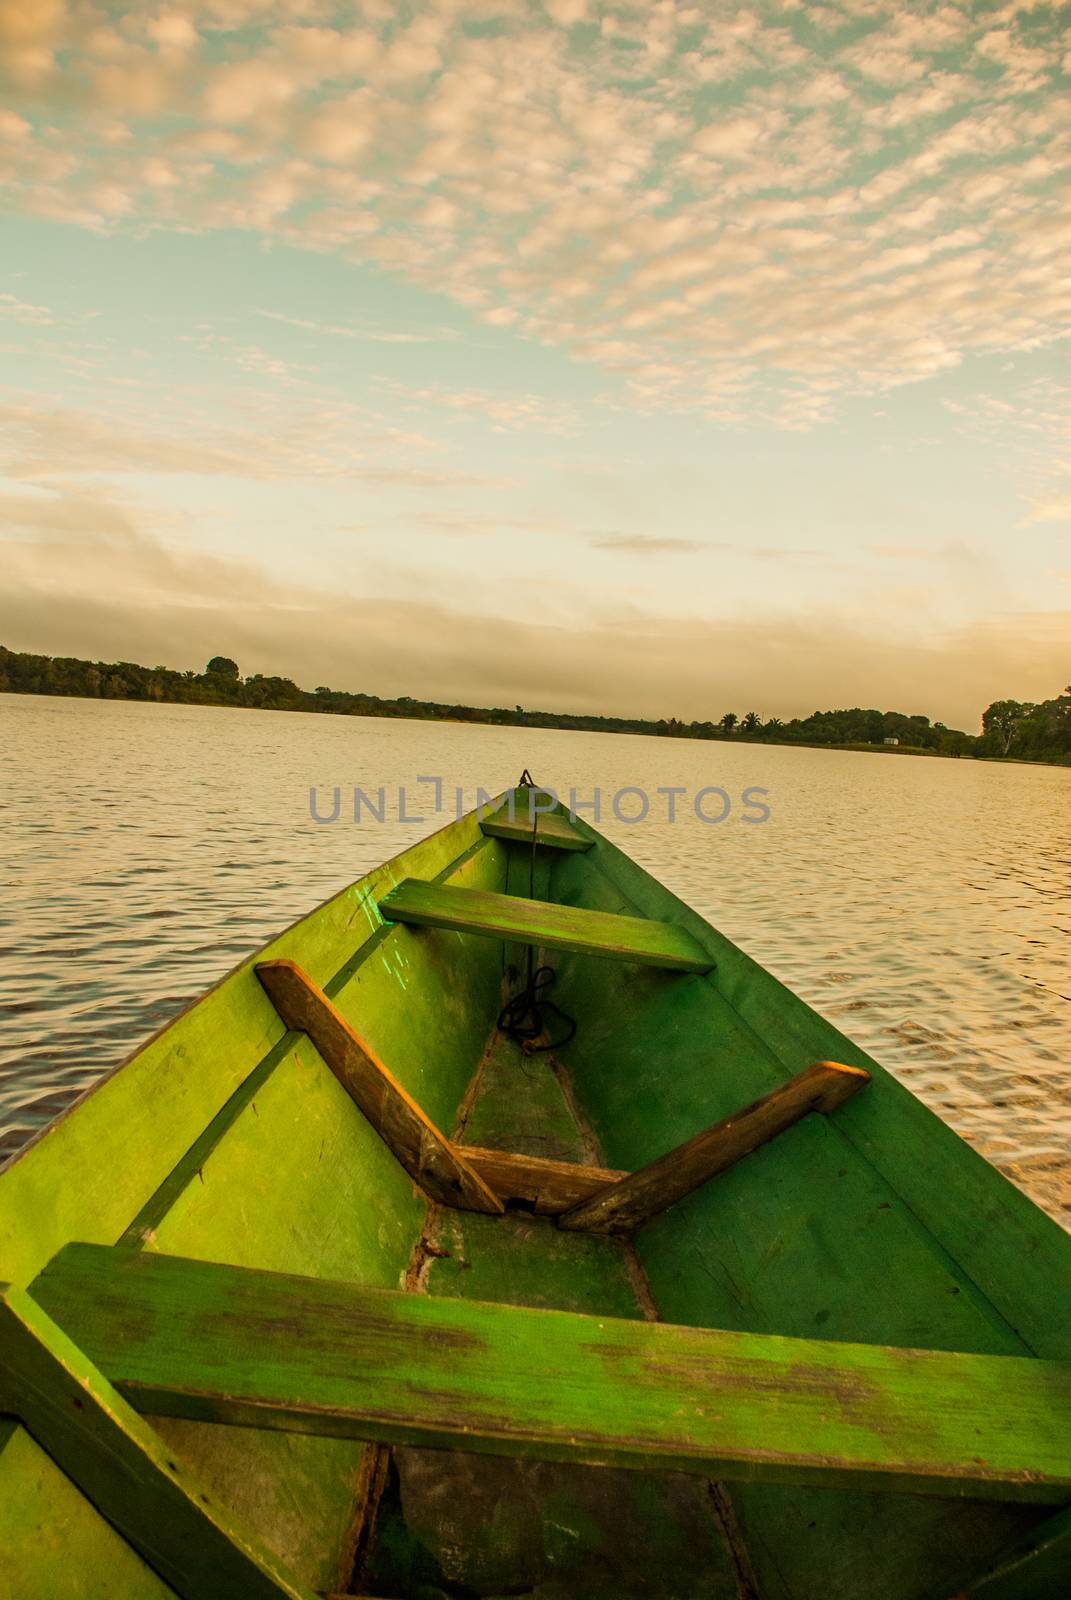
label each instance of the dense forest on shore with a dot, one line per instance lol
(1011, 729)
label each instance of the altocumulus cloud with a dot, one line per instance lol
(749, 212)
(746, 216)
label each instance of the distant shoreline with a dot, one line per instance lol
(635, 733)
(221, 685)
(458, 722)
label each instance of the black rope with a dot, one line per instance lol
(522, 1017)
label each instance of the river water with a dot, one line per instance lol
(924, 905)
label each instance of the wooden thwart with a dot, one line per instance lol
(539, 922)
(628, 1202)
(217, 1343)
(124, 1468)
(551, 831)
(588, 1199)
(467, 1179)
(427, 1155)
(549, 1187)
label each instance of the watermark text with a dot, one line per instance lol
(427, 798)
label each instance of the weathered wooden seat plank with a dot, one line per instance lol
(554, 832)
(539, 922)
(200, 1340)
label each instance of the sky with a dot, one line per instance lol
(655, 359)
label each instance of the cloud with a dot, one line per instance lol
(12, 126)
(368, 335)
(239, 91)
(655, 544)
(29, 36)
(113, 593)
(24, 311)
(646, 544)
(848, 210)
(38, 440)
(1054, 508)
(71, 511)
(425, 478)
(293, 433)
(507, 411)
(482, 527)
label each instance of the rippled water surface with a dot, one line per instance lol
(922, 904)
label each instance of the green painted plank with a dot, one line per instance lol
(54, 1545)
(465, 1523)
(539, 922)
(283, 1180)
(159, 1204)
(480, 856)
(123, 1467)
(519, 1106)
(301, 1183)
(261, 1349)
(92, 1170)
(807, 1237)
(1018, 1258)
(554, 832)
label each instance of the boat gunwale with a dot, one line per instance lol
(61, 1117)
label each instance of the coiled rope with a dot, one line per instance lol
(523, 1017)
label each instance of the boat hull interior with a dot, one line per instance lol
(228, 1139)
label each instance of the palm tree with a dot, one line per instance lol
(728, 722)
(773, 727)
(751, 723)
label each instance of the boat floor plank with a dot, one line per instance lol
(454, 1521)
(643, 941)
(518, 1106)
(880, 1227)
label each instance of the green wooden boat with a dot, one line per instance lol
(344, 1283)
